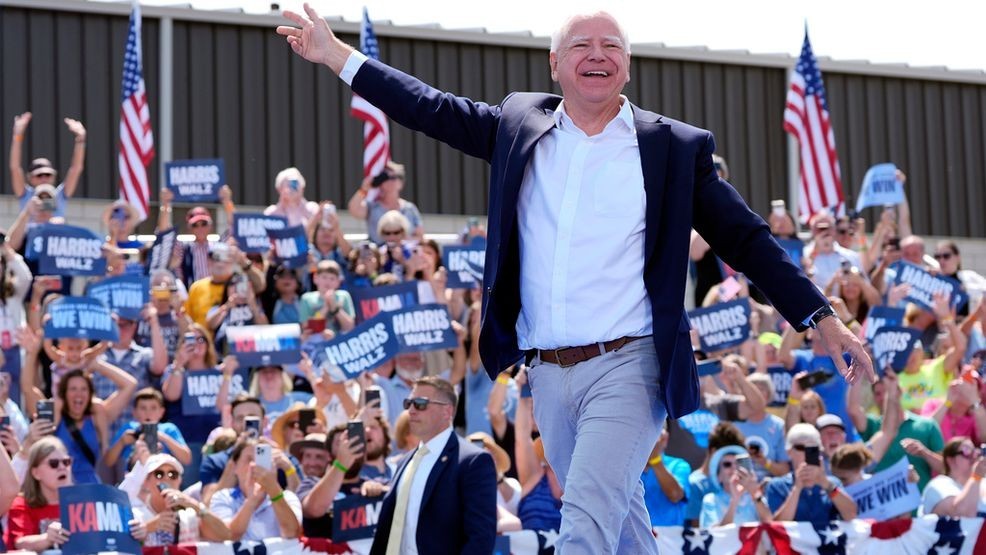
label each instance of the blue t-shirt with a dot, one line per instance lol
(814, 504)
(166, 428)
(60, 199)
(769, 435)
(662, 511)
(832, 392)
(698, 485)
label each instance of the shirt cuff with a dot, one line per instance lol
(807, 321)
(353, 63)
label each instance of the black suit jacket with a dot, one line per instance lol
(458, 508)
(682, 190)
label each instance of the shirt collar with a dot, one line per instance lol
(625, 115)
(437, 444)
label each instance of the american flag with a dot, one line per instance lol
(376, 132)
(806, 116)
(136, 137)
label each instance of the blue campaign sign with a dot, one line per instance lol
(355, 517)
(80, 317)
(363, 348)
(464, 265)
(781, 378)
(370, 301)
(161, 251)
(126, 295)
(424, 327)
(290, 246)
(892, 346)
(887, 493)
(97, 518)
(195, 180)
(198, 396)
(66, 250)
(880, 187)
(924, 285)
(265, 345)
(794, 248)
(722, 326)
(880, 317)
(250, 230)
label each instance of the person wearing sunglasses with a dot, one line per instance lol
(808, 493)
(958, 492)
(457, 514)
(165, 510)
(379, 194)
(735, 497)
(33, 521)
(950, 261)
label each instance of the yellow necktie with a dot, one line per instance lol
(400, 509)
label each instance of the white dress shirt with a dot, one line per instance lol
(409, 544)
(581, 214)
(581, 217)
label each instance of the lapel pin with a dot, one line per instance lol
(444, 458)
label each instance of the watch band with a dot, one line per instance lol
(819, 315)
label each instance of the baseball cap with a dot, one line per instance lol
(155, 462)
(311, 441)
(198, 214)
(826, 420)
(41, 166)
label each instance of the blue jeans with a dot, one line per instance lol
(599, 421)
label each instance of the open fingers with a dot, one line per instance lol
(288, 31)
(295, 18)
(312, 14)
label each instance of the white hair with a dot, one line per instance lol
(566, 28)
(803, 434)
(290, 173)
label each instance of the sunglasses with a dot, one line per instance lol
(943, 256)
(725, 464)
(843, 231)
(391, 231)
(200, 223)
(421, 403)
(801, 447)
(171, 474)
(55, 463)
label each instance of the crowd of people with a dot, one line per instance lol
(767, 444)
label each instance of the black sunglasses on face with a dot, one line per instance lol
(171, 474)
(943, 256)
(55, 463)
(726, 464)
(421, 403)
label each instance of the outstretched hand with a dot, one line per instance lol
(314, 40)
(837, 339)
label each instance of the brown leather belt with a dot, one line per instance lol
(570, 356)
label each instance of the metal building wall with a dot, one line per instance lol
(240, 94)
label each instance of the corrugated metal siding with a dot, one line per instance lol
(240, 94)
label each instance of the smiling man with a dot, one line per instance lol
(592, 201)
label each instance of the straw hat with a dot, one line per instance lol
(277, 430)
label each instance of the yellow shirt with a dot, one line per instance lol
(203, 295)
(929, 382)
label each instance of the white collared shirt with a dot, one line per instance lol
(580, 214)
(581, 217)
(409, 544)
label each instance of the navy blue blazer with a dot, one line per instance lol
(682, 189)
(458, 508)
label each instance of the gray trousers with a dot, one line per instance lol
(599, 421)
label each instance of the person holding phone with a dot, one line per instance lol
(238, 306)
(256, 507)
(735, 497)
(808, 494)
(148, 411)
(327, 311)
(381, 193)
(291, 201)
(341, 479)
(958, 492)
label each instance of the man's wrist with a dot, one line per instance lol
(819, 315)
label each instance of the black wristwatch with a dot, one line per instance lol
(819, 315)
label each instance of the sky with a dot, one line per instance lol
(941, 33)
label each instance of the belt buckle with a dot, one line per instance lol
(561, 364)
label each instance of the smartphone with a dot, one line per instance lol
(380, 178)
(251, 425)
(262, 456)
(813, 379)
(4, 422)
(478, 443)
(812, 455)
(709, 367)
(745, 462)
(982, 450)
(48, 205)
(372, 395)
(150, 437)
(778, 207)
(892, 209)
(846, 266)
(894, 243)
(355, 429)
(306, 417)
(189, 340)
(46, 410)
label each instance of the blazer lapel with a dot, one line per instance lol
(535, 124)
(653, 139)
(450, 453)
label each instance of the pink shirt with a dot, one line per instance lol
(951, 426)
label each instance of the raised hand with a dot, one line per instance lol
(314, 40)
(837, 339)
(20, 123)
(76, 127)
